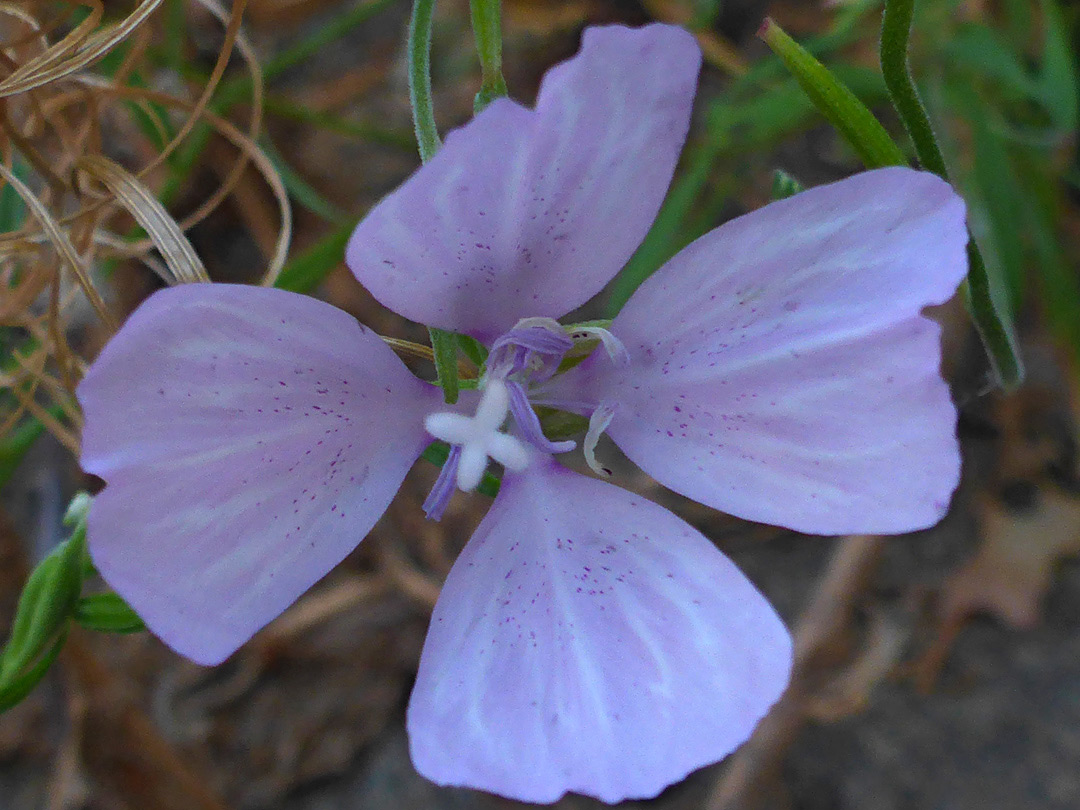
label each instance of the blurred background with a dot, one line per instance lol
(936, 670)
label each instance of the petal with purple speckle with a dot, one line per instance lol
(781, 368)
(589, 640)
(249, 439)
(529, 213)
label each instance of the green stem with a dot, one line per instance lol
(990, 319)
(427, 135)
(487, 28)
(991, 322)
(443, 343)
(895, 35)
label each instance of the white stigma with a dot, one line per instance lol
(479, 436)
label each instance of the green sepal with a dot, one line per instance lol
(473, 349)
(784, 185)
(558, 425)
(444, 347)
(78, 509)
(463, 383)
(488, 95)
(107, 613)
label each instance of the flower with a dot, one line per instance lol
(779, 368)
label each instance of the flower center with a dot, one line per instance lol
(530, 353)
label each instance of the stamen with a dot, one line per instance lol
(529, 423)
(598, 423)
(437, 500)
(615, 348)
(536, 338)
(535, 346)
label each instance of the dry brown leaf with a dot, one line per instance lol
(1012, 570)
(1028, 522)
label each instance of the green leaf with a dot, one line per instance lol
(706, 13)
(1000, 203)
(985, 53)
(176, 25)
(733, 125)
(45, 606)
(12, 207)
(299, 188)
(1058, 281)
(346, 127)
(17, 443)
(660, 242)
(13, 691)
(107, 613)
(863, 132)
(305, 272)
(15, 446)
(558, 425)
(338, 26)
(1058, 82)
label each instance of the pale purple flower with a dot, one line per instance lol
(586, 640)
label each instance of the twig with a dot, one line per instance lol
(122, 743)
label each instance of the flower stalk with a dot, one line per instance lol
(423, 110)
(486, 23)
(443, 343)
(990, 320)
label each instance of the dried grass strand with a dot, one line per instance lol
(66, 57)
(36, 30)
(61, 243)
(68, 45)
(241, 141)
(180, 257)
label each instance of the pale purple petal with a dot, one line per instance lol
(249, 439)
(529, 213)
(781, 369)
(589, 640)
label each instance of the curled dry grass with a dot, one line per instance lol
(87, 150)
